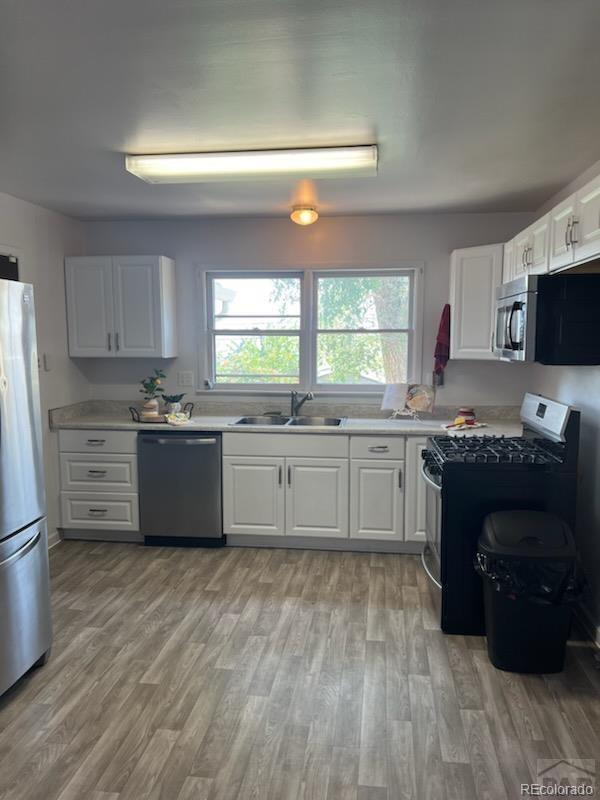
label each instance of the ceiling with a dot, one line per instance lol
(476, 105)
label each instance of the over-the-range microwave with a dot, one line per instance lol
(551, 319)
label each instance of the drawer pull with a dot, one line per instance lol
(95, 511)
(96, 442)
(96, 472)
(379, 448)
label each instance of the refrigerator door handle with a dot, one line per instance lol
(22, 551)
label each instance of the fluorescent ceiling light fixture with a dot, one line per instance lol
(316, 162)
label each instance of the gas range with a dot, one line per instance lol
(468, 477)
(498, 450)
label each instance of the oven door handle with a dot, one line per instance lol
(428, 572)
(428, 480)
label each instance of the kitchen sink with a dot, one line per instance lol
(317, 422)
(274, 420)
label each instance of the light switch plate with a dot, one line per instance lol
(185, 378)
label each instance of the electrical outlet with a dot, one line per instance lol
(185, 378)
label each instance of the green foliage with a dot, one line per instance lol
(151, 386)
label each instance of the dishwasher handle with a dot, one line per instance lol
(175, 440)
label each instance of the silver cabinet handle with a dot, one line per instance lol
(97, 511)
(22, 551)
(289, 476)
(176, 441)
(572, 235)
(96, 472)
(378, 448)
(280, 475)
(568, 234)
(399, 478)
(96, 442)
(117, 345)
(109, 337)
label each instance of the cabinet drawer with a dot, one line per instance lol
(317, 445)
(377, 447)
(91, 472)
(76, 441)
(87, 510)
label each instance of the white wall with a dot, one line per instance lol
(358, 241)
(580, 386)
(41, 238)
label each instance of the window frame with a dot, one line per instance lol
(212, 331)
(308, 331)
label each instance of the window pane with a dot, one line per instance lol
(362, 358)
(257, 359)
(257, 323)
(256, 298)
(378, 302)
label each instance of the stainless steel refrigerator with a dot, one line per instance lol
(25, 621)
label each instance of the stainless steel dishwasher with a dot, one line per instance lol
(180, 488)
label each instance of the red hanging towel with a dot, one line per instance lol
(442, 343)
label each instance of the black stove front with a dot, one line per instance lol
(467, 478)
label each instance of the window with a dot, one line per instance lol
(342, 330)
(256, 329)
(363, 329)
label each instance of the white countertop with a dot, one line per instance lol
(401, 427)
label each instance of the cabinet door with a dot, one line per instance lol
(137, 306)
(474, 274)
(508, 261)
(586, 232)
(90, 306)
(414, 519)
(376, 499)
(522, 243)
(561, 219)
(253, 495)
(539, 240)
(316, 501)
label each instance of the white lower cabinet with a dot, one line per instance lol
(415, 490)
(316, 502)
(377, 499)
(358, 487)
(99, 482)
(99, 511)
(253, 495)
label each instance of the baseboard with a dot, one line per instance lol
(129, 537)
(588, 623)
(322, 543)
(53, 539)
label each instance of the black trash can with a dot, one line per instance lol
(527, 560)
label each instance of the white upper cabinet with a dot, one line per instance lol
(121, 306)
(586, 224)
(90, 311)
(508, 261)
(474, 274)
(531, 250)
(539, 246)
(561, 227)
(521, 253)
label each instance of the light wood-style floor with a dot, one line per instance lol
(275, 675)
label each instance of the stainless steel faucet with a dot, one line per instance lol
(296, 404)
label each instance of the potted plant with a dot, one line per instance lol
(152, 390)
(173, 402)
